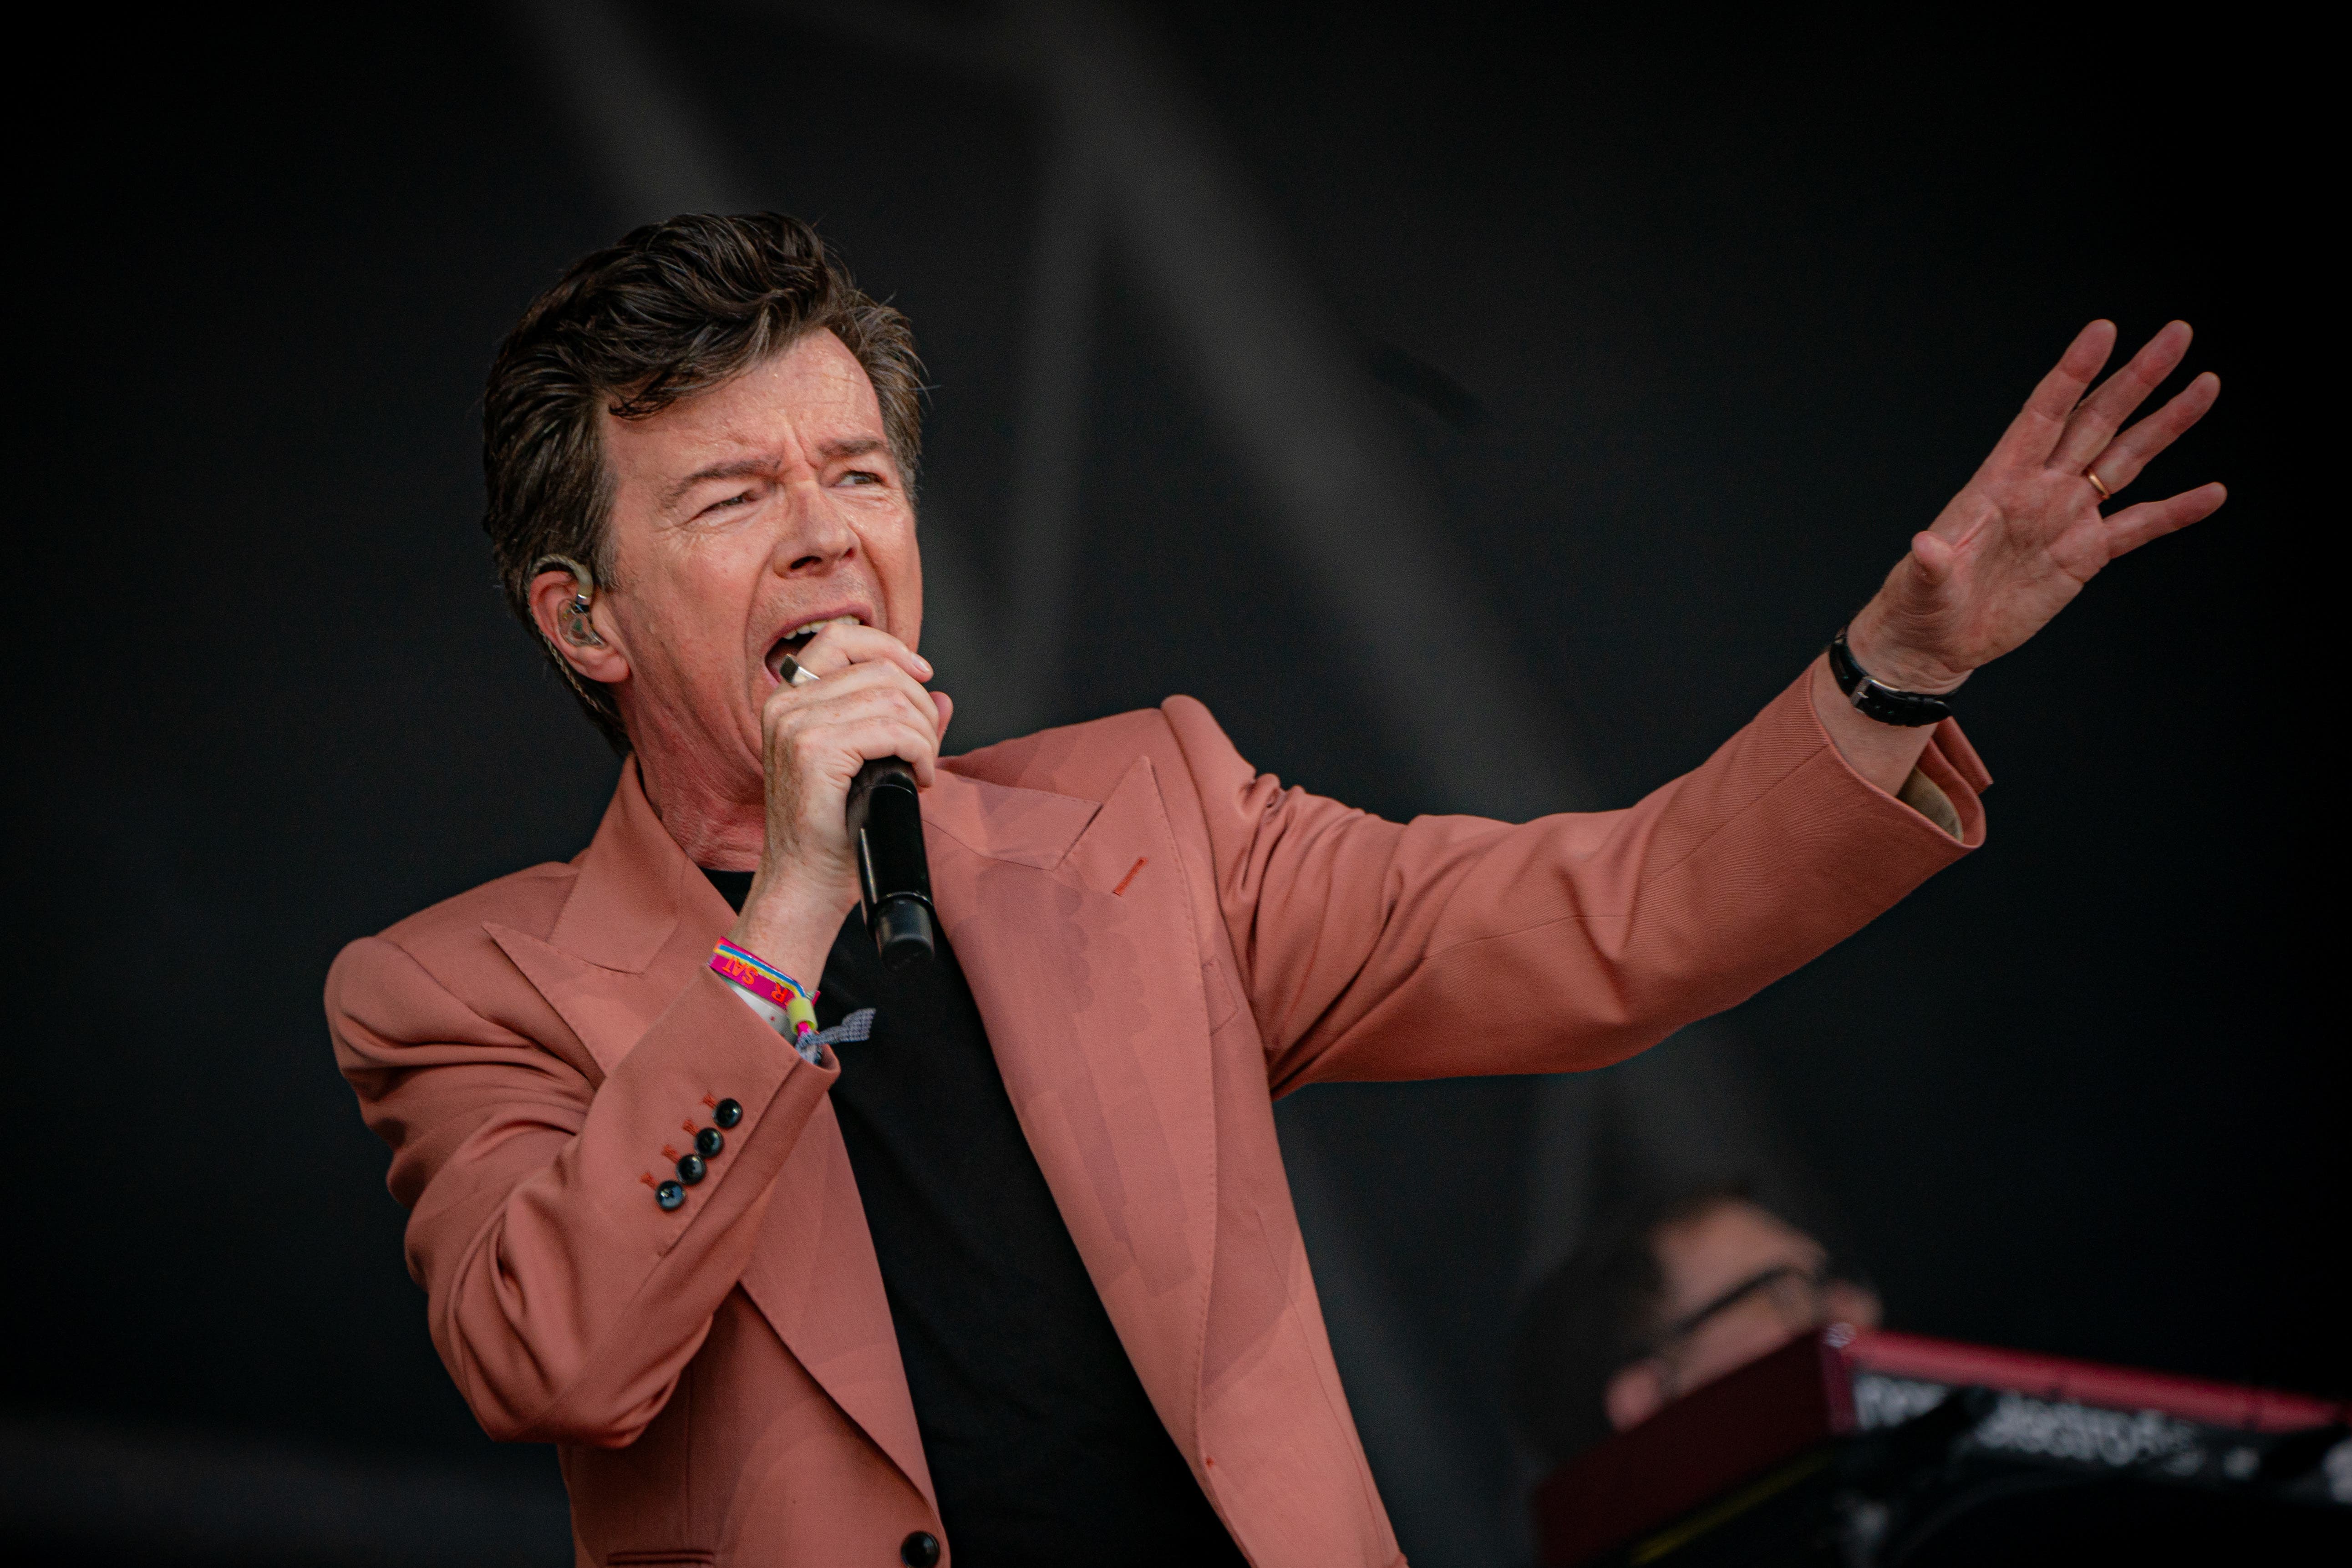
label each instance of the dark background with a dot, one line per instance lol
(1718, 314)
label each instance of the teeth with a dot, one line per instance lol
(810, 630)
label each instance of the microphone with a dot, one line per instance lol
(894, 874)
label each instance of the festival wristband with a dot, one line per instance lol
(810, 1047)
(764, 983)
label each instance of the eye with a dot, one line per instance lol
(730, 503)
(862, 476)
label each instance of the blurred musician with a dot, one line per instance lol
(1882, 1449)
(1675, 1292)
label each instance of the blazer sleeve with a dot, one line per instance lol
(563, 1300)
(1454, 945)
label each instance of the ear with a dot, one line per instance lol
(1636, 1393)
(596, 656)
(1850, 1303)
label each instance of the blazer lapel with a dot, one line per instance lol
(613, 960)
(640, 922)
(1076, 931)
(814, 1277)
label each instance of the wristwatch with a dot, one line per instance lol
(1911, 710)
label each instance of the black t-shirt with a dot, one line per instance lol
(1042, 1446)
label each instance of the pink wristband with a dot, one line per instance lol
(768, 982)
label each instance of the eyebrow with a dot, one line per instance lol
(745, 468)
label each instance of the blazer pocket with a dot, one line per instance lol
(664, 1557)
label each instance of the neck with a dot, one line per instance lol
(703, 808)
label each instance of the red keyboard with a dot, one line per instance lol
(1839, 1418)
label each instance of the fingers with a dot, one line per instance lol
(860, 740)
(2136, 525)
(839, 646)
(871, 686)
(873, 704)
(865, 702)
(2034, 434)
(1917, 583)
(2133, 450)
(813, 757)
(1931, 555)
(2093, 424)
(867, 699)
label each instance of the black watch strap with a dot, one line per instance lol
(1871, 701)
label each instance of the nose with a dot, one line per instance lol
(817, 538)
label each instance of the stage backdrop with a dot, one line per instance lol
(1653, 345)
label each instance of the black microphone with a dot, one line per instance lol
(894, 874)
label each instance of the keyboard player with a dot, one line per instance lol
(1677, 1290)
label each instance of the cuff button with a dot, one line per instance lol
(729, 1112)
(690, 1169)
(708, 1142)
(670, 1195)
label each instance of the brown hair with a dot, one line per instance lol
(1596, 1314)
(674, 308)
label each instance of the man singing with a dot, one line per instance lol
(799, 1260)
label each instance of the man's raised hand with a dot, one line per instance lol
(2026, 532)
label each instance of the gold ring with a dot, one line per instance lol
(2104, 494)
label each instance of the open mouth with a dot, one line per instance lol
(799, 637)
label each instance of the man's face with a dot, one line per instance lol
(743, 519)
(1708, 1260)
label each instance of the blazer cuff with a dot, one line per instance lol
(1945, 785)
(706, 1051)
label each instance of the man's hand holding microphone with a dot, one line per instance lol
(851, 695)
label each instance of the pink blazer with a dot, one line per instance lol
(1161, 941)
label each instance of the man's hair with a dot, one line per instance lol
(673, 310)
(1596, 1314)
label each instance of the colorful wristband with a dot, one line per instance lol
(768, 984)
